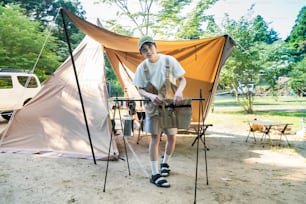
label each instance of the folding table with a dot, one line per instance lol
(266, 130)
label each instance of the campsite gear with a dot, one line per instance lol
(202, 58)
(167, 89)
(132, 107)
(159, 181)
(172, 116)
(54, 114)
(128, 127)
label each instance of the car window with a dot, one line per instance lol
(23, 80)
(6, 82)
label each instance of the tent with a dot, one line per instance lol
(53, 120)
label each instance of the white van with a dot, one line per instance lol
(16, 89)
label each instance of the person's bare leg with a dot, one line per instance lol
(170, 144)
(169, 149)
(153, 153)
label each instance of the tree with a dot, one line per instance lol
(248, 57)
(297, 37)
(297, 43)
(167, 19)
(275, 61)
(45, 11)
(263, 32)
(20, 49)
(241, 67)
(298, 78)
(141, 19)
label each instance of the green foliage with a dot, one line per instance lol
(141, 18)
(297, 43)
(170, 15)
(259, 56)
(263, 32)
(46, 11)
(247, 59)
(111, 78)
(274, 62)
(21, 42)
(192, 27)
(298, 78)
(297, 36)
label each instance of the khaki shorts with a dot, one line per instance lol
(151, 125)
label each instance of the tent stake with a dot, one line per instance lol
(77, 81)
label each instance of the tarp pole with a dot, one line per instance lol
(78, 85)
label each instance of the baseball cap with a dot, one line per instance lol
(143, 40)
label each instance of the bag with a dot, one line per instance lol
(151, 109)
(171, 116)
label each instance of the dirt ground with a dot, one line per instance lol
(237, 172)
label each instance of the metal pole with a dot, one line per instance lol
(197, 155)
(78, 86)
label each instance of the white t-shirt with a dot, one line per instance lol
(157, 72)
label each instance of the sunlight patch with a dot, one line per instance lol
(280, 159)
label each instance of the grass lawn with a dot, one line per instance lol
(289, 109)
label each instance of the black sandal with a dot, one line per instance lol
(164, 169)
(159, 181)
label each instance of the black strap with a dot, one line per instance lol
(176, 106)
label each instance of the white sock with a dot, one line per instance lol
(166, 158)
(154, 167)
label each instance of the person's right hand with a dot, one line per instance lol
(157, 100)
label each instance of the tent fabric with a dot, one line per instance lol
(202, 59)
(53, 121)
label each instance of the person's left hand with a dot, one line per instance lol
(178, 97)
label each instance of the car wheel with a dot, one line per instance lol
(7, 115)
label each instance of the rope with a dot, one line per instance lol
(45, 42)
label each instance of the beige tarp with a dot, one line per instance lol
(53, 121)
(202, 59)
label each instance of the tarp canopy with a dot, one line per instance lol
(202, 59)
